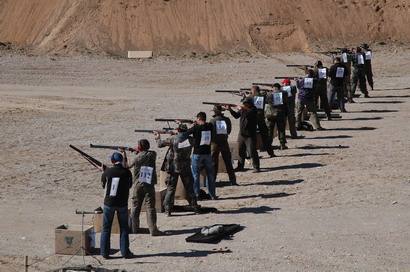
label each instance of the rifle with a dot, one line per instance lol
(189, 121)
(299, 66)
(260, 89)
(164, 131)
(219, 104)
(327, 52)
(94, 162)
(115, 147)
(233, 92)
(285, 77)
(263, 84)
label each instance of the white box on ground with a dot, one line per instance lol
(139, 54)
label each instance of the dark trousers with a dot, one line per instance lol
(321, 94)
(338, 92)
(143, 191)
(225, 151)
(280, 122)
(263, 130)
(108, 217)
(291, 117)
(247, 145)
(369, 76)
(311, 107)
(172, 181)
(359, 76)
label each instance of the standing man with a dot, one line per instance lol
(368, 55)
(247, 133)
(117, 182)
(177, 163)
(259, 101)
(306, 100)
(276, 113)
(201, 131)
(337, 74)
(359, 73)
(291, 91)
(346, 59)
(145, 177)
(222, 127)
(321, 88)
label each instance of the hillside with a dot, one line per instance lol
(185, 26)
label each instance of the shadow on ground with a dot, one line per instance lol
(351, 129)
(311, 147)
(362, 118)
(273, 195)
(306, 155)
(275, 182)
(255, 210)
(329, 137)
(382, 102)
(293, 166)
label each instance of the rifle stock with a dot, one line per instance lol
(189, 121)
(167, 131)
(96, 163)
(219, 104)
(113, 147)
(299, 65)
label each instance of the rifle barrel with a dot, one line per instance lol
(174, 120)
(218, 103)
(114, 147)
(299, 65)
(96, 163)
(227, 91)
(152, 131)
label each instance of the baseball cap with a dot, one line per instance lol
(116, 157)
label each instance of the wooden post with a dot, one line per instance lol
(26, 264)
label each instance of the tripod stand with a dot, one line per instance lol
(82, 248)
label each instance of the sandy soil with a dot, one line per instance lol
(186, 27)
(337, 200)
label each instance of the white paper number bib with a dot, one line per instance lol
(258, 102)
(205, 137)
(277, 99)
(344, 57)
(221, 127)
(368, 55)
(340, 72)
(184, 144)
(322, 73)
(114, 186)
(360, 59)
(308, 83)
(146, 174)
(287, 89)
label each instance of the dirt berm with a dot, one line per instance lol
(184, 26)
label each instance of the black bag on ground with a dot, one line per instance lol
(214, 234)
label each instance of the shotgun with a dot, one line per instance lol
(96, 163)
(114, 147)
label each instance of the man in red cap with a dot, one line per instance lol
(291, 90)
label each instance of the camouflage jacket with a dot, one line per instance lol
(144, 159)
(178, 156)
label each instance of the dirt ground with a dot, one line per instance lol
(337, 200)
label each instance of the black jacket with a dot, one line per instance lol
(200, 133)
(248, 121)
(117, 182)
(222, 137)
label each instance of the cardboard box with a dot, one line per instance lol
(159, 201)
(139, 54)
(70, 240)
(98, 222)
(180, 193)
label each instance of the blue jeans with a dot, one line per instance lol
(197, 162)
(108, 216)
